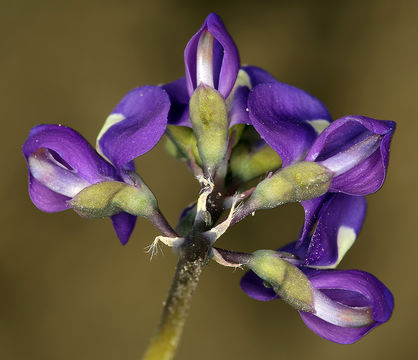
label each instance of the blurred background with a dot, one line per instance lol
(69, 290)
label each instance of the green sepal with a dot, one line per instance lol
(247, 165)
(297, 182)
(112, 197)
(209, 119)
(287, 280)
(181, 142)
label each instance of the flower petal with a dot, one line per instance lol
(225, 56)
(339, 222)
(179, 98)
(123, 224)
(311, 208)
(45, 199)
(353, 288)
(258, 75)
(49, 172)
(368, 176)
(281, 114)
(254, 287)
(70, 149)
(136, 125)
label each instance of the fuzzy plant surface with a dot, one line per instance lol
(252, 143)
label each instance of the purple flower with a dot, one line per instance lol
(344, 304)
(347, 304)
(356, 150)
(61, 163)
(211, 57)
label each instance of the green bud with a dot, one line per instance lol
(209, 119)
(287, 280)
(112, 197)
(181, 141)
(298, 182)
(247, 165)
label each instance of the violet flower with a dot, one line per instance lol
(353, 149)
(211, 58)
(61, 163)
(232, 124)
(347, 304)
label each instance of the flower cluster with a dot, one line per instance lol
(234, 126)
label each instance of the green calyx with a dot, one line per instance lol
(298, 182)
(287, 280)
(112, 197)
(209, 118)
(247, 165)
(181, 143)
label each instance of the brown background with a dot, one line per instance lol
(69, 290)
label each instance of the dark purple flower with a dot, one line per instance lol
(345, 304)
(211, 57)
(356, 149)
(349, 303)
(61, 163)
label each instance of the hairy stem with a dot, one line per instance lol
(193, 255)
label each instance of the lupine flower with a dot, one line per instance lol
(215, 63)
(212, 60)
(233, 124)
(61, 163)
(346, 304)
(353, 149)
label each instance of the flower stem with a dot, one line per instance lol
(193, 255)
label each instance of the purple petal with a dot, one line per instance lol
(311, 208)
(143, 118)
(239, 111)
(226, 58)
(254, 287)
(123, 224)
(339, 222)
(258, 75)
(179, 98)
(51, 173)
(368, 176)
(46, 199)
(352, 288)
(70, 149)
(281, 114)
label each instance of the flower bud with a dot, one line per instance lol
(112, 197)
(210, 124)
(211, 58)
(298, 182)
(247, 164)
(287, 280)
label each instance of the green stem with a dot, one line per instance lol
(193, 255)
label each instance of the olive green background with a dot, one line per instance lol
(69, 290)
